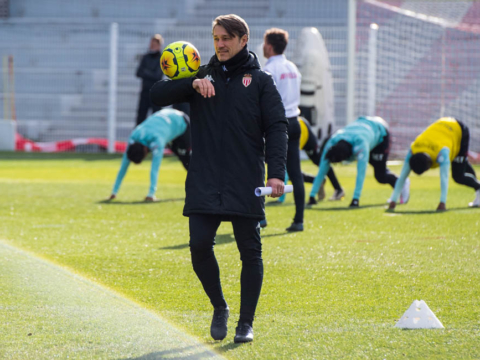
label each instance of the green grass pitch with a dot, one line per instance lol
(334, 291)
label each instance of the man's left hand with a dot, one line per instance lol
(278, 187)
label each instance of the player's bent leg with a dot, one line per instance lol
(383, 175)
(464, 174)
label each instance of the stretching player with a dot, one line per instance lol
(443, 143)
(366, 140)
(165, 128)
(309, 144)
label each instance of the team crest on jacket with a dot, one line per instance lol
(247, 79)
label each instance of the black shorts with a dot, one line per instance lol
(464, 142)
(182, 145)
(380, 152)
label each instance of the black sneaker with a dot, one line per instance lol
(243, 333)
(295, 227)
(311, 201)
(219, 328)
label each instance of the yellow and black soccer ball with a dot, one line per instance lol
(180, 60)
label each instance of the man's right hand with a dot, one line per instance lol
(204, 87)
(278, 187)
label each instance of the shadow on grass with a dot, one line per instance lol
(219, 240)
(176, 354)
(277, 234)
(429, 212)
(116, 202)
(347, 208)
(229, 346)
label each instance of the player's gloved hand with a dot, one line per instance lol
(391, 206)
(354, 203)
(441, 207)
(150, 199)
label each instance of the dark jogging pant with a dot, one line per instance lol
(203, 229)
(293, 168)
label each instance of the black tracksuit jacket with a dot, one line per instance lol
(233, 134)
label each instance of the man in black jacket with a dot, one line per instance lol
(150, 72)
(237, 123)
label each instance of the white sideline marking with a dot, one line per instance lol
(71, 316)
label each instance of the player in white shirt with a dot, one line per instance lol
(287, 78)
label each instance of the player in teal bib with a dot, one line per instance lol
(365, 140)
(165, 128)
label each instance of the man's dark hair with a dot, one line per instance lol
(339, 152)
(136, 152)
(233, 24)
(278, 38)
(419, 163)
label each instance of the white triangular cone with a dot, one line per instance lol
(419, 316)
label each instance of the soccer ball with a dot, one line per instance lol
(180, 60)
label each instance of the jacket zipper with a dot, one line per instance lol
(222, 154)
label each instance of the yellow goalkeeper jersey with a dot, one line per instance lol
(445, 132)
